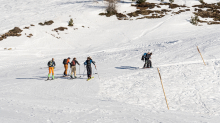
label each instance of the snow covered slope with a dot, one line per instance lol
(124, 93)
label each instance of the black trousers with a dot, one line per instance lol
(147, 63)
(89, 70)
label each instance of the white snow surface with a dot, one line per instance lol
(124, 93)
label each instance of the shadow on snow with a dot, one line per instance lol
(127, 67)
(44, 78)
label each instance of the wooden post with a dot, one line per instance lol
(201, 55)
(162, 87)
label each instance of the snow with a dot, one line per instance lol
(124, 92)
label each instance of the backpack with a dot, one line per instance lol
(65, 61)
(73, 63)
(50, 63)
(143, 56)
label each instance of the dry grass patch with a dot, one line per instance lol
(46, 23)
(60, 29)
(14, 32)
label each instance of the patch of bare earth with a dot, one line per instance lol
(145, 10)
(46, 23)
(208, 11)
(60, 29)
(14, 32)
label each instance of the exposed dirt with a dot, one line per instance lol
(46, 23)
(208, 11)
(30, 35)
(26, 27)
(60, 29)
(144, 9)
(14, 32)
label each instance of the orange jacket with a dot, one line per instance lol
(68, 60)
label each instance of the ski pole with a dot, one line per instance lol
(97, 72)
(79, 70)
(84, 70)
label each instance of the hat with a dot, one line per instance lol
(68, 57)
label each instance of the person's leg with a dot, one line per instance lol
(52, 69)
(145, 63)
(150, 64)
(90, 71)
(74, 70)
(49, 73)
(87, 68)
(66, 68)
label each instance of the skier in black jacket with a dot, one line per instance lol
(88, 66)
(148, 62)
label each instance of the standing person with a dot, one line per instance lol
(147, 57)
(73, 67)
(51, 64)
(66, 62)
(88, 66)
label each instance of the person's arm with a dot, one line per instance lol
(54, 63)
(77, 62)
(85, 63)
(93, 62)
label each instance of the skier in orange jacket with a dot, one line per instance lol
(66, 62)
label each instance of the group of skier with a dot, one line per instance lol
(51, 64)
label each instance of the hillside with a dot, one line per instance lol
(124, 93)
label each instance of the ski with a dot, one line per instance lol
(74, 78)
(65, 76)
(49, 79)
(90, 79)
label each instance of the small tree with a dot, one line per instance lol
(171, 1)
(71, 22)
(201, 1)
(162, 0)
(140, 1)
(194, 20)
(111, 7)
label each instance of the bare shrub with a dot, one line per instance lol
(194, 20)
(140, 1)
(111, 7)
(71, 22)
(201, 1)
(171, 1)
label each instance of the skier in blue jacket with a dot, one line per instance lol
(88, 66)
(147, 57)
